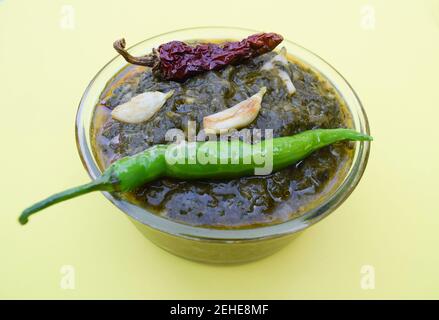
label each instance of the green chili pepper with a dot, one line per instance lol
(203, 160)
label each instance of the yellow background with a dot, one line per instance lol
(390, 222)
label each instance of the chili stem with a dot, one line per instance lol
(148, 60)
(96, 185)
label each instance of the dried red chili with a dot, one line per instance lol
(177, 60)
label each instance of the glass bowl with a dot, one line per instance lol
(219, 245)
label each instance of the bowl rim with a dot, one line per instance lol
(305, 220)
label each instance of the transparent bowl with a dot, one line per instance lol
(215, 245)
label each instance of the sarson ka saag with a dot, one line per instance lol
(219, 87)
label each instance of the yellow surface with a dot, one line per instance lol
(390, 222)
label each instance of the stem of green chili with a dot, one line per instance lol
(100, 184)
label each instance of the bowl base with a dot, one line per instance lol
(215, 251)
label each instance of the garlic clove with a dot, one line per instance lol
(287, 81)
(238, 116)
(141, 107)
(282, 59)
